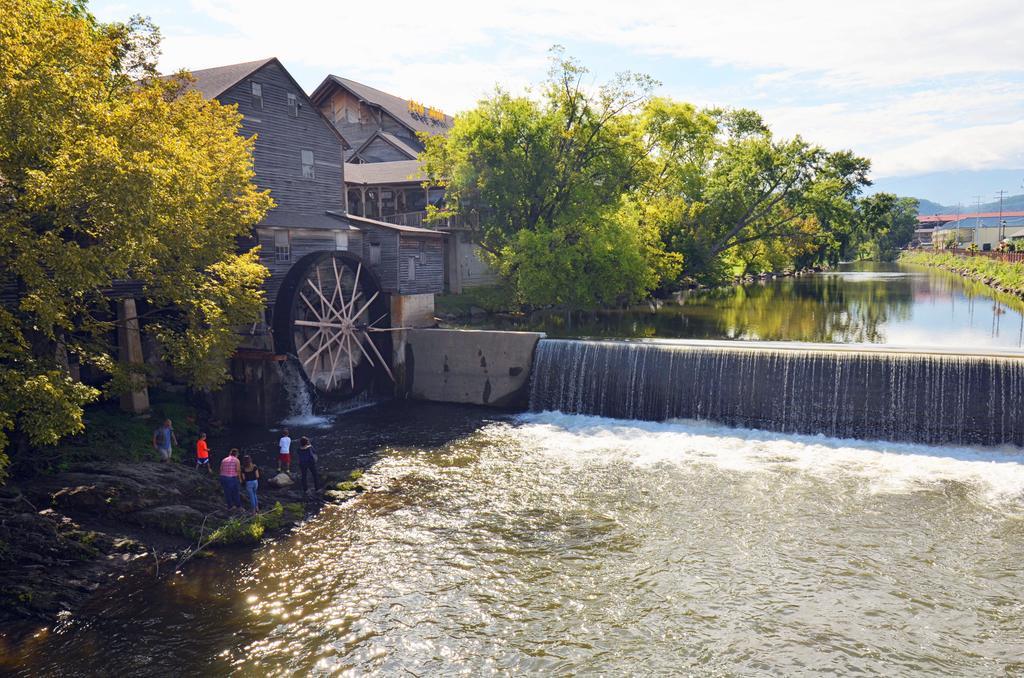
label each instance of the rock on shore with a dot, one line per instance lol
(63, 536)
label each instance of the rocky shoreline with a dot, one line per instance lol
(63, 537)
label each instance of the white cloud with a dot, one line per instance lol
(935, 129)
(874, 76)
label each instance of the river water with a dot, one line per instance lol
(864, 302)
(552, 544)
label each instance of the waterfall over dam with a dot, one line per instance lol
(841, 391)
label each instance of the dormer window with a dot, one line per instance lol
(293, 105)
(257, 96)
(307, 165)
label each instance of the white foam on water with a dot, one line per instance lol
(308, 421)
(996, 473)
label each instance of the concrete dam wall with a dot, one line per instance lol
(469, 366)
(847, 392)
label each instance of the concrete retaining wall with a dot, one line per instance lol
(470, 366)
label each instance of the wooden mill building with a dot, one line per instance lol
(325, 264)
(379, 127)
(383, 177)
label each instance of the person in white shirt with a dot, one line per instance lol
(284, 453)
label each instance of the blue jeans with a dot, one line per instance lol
(250, 489)
(309, 467)
(231, 491)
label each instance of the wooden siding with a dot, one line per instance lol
(379, 150)
(387, 271)
(370, 120)
(427, 254)
(301, 243)
(282, 137)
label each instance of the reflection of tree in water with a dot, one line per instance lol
(832, 308)
(825, 308)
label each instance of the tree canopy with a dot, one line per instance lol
(107, 174)
(548, 177)
(560, 178)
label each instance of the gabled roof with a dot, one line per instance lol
(391, 139)
(394, 172)
(405, 230)
(396, 107)
(212, 82)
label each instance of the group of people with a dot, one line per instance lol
(235, 473)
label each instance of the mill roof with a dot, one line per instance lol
(212, 82)
(393, 172)
(397, 107)
(404, 230)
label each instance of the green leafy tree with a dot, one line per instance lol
(614, 259)
(103, 178)
(546, 177)
(886, 224)
(722, 181)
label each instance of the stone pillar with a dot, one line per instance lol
(129, 344)
(451, 251)
(407, 310)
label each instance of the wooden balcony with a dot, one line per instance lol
(452, 222)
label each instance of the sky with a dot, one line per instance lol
(932, 91)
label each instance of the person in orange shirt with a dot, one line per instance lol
(203, 453)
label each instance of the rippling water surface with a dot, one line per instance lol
(859, 303)
(563, 545)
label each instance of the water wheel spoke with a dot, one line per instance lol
(355, 288)
(365, 306)
(323, 300)
(383, 363)
(360, 345)
(334, 365)
(338, 291)
(310, 305)
(351, 369)
(319, 286)
(309, 341)
(324, 345)
(317, 323)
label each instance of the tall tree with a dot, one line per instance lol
(546, 176)
(105, 178)
(886, 224)
(722, 181)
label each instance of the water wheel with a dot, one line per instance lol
(328, 312)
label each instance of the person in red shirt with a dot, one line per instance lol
(203, 453)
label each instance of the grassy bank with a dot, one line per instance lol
(1002, 275)
(111, 435)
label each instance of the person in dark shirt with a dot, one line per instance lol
(251, 478)
(164, 440)
(307, 464)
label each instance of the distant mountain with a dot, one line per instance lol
(1012, 203)
(927, 207)
(948, 188)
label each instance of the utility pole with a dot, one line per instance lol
(958, 225)
(977, 220)
(1001, 229)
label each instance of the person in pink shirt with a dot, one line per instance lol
(231, 479)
